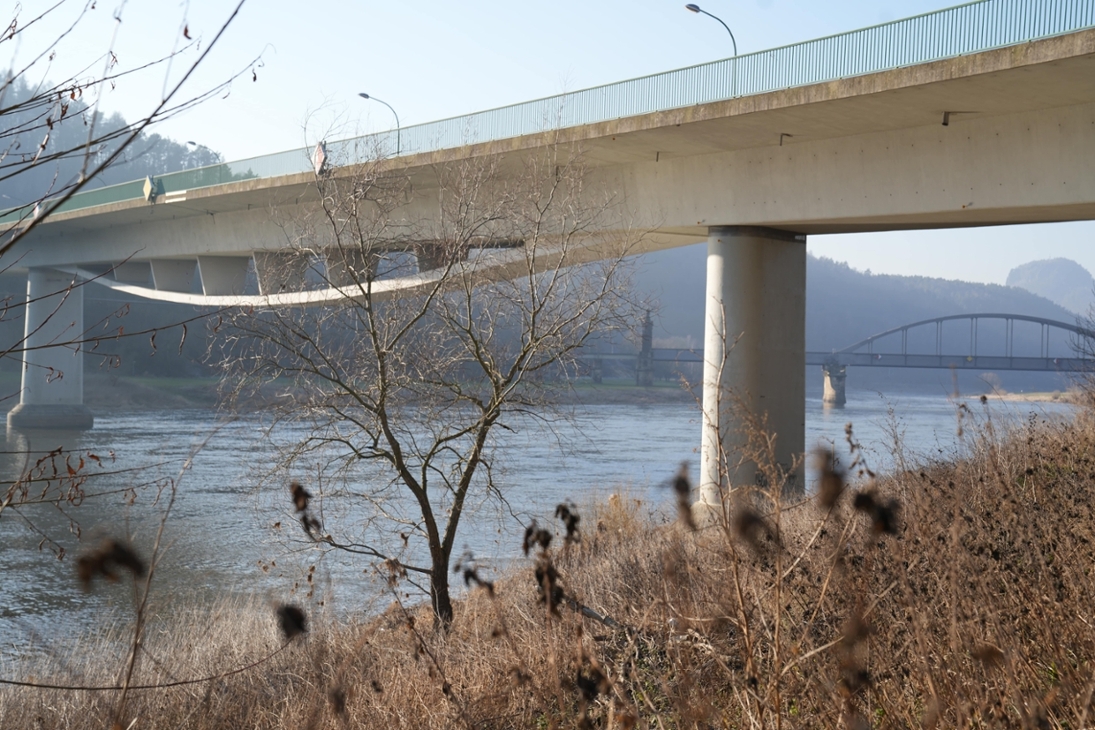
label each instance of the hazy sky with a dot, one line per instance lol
(432, 59)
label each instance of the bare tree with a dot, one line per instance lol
(462, 291)
(54, 141)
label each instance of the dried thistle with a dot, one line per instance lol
(853, 680)
(569, 515)
(591, 682)
(549, 592)
(989, 654)
(883, 513)
(106, 560)
(855, 631)
(466, 566)
(312, 526)
(682, 487)
(337, 696)
(832, 482)
(535, 535)
(300, 496)
(291, 621)
(751, 527)
(396, 572)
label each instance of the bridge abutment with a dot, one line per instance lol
(754, 356)
(835, 377)
(52, 391)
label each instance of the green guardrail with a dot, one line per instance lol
(964, 29)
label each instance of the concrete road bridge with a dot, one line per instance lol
(982, 114)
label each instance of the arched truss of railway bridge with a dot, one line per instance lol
(862, 353)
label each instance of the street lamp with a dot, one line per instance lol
(193, 149)
(397, 130)
(697, 9)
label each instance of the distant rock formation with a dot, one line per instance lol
(1061, 281)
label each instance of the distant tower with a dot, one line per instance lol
(644, 368)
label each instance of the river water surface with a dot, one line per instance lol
(231, 533)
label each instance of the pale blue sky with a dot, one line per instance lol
(432, 59)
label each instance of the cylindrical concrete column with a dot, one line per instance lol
(835, 377)
(754, 353)
(52, 393)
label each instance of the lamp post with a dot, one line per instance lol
(734, 73)
(397, 129)
(697, 9)
(193, 155)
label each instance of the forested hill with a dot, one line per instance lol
(842, 305)
(36, 162)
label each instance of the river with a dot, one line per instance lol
(231, 533)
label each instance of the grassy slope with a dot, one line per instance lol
(976, 613)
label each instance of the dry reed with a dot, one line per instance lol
(945, 595)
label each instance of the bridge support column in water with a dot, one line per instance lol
(52, 392)
(754, 353)
(835, 376)
(644, 366)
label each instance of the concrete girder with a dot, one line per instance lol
(835, 127)
(223, 275)
(169, 275)
(1019, 168)
(438, 254)
(1025, 167)
(133, 272)
(492, 264)
(281, 271)
(348, 267)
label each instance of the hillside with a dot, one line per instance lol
(842, 305)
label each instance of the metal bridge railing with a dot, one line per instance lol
(970, 28)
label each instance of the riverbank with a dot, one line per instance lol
(945, 595)
(111, 393)
(119, 393)
(1074, 397)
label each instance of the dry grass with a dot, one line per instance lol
(956, 595)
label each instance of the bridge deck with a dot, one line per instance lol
(981, 58)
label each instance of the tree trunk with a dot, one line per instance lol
(439, 594)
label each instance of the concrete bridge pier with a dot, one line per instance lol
(754, 355)
(644, 366)
(835, 377)
(52, 392)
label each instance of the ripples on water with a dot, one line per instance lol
(221, 536)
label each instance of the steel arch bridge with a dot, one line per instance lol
(863, 353)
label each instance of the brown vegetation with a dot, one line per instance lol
(954, 595)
